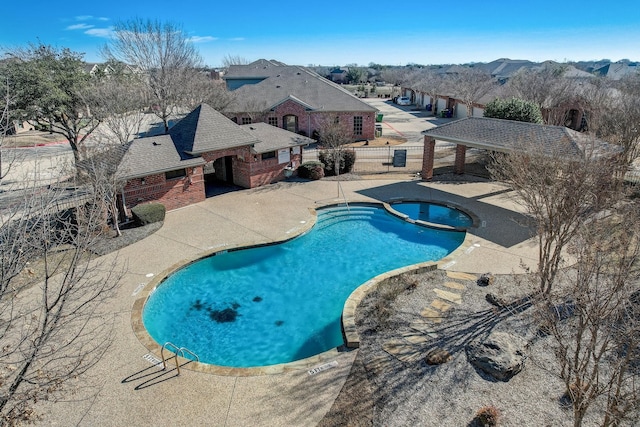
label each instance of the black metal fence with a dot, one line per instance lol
(387, 159)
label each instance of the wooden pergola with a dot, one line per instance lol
(508, 136)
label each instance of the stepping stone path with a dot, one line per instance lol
(410, 347)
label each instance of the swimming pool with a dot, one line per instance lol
(280, 303)
(434, 213)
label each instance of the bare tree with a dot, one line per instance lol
(101, 178)
(122, 104)
(334, 136)
(396, 76)
(621, 115)
(560, 192)
(592, 319)
(257, 110)
(165, 56)
(470, 84)
(203, 89)
(54, 320)
(428, 82)
(547, 87)
(4, 122)
(230, 60)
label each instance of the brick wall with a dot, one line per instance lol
(249, 171)
(172, 193)
(268, 171)
(310, 121)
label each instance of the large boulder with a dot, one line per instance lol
(500, 355)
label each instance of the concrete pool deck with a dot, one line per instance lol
(134, 391)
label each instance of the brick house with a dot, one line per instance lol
(205, 147)
(294, 98)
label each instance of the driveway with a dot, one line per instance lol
(404, 121)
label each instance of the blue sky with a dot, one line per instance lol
(339, 33)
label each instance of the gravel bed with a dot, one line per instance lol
(384, 391)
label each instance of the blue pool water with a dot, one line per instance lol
(437, 214)
(279, 303)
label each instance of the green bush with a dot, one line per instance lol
(347, 160)
(311, 170)
(513, 109)
(148, 213)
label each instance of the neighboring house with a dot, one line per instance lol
(617, 70)
(572, 113)
(294, 98)
(338, 75)
(19, 127)
(93, 68)
(206, 147)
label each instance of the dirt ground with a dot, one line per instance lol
(380, 141)
(31, 139)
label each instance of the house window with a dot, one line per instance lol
(357, 125)
(273, 121)
(269, 155)
(246, 120)
(290, 123)
(179, 173)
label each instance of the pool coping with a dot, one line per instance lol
(349, 330)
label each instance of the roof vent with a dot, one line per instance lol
(252, 128)
(155, 143)
(298, 73)
(278, 86)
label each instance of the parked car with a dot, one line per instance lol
(404, 100)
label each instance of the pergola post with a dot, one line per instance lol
(428, 157)
(461, 154)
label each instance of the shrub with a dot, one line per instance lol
(487, 416)
(328, 158)
(311, 170)
(514, 109)
(148, 213)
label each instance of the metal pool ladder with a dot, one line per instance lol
(179, 351)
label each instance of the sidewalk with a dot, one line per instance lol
(134, 392)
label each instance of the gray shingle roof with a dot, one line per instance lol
(204, 129)
(508, 135)
(283, 81)
(259, 68)
(273, 138)
(151, 155)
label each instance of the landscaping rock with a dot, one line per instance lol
(486, 279)
(438, 356)
(500, 355)
(496, 300)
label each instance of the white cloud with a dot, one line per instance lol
(100, 32)
(79, 27)
(237, 39)
(84, 17)
(103, 18)
(202, 39)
